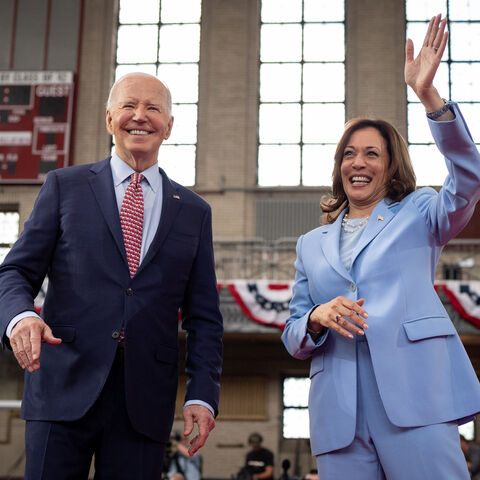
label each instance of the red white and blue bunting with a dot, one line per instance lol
(267, 302)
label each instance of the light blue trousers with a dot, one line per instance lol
(383, 451)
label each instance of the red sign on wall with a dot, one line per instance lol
(35, 124)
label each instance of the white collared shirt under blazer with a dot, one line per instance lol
(423, 372)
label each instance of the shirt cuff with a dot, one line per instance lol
(17, 318)
(199, 402)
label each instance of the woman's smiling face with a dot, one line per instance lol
(364, 167)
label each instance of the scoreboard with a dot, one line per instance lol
(35, 124)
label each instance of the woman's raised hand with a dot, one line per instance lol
(420, 71)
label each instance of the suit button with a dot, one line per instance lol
(129, 292)
(115, 334)
(352, 287)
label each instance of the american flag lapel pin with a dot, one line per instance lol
(176, 197)
(380, 218)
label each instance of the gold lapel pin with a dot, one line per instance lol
(380, 218)
(177, 197)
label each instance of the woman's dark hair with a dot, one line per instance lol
(400, 177)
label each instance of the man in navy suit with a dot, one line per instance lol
(86, 392)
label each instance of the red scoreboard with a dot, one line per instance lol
(35, 124)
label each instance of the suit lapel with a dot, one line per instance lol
(330, 244)
(102, 185)
(379, 219)
(171, 205)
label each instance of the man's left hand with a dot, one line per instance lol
(206, 423)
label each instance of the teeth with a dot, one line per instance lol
(360, 179)
(138, 132)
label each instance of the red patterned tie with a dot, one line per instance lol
(131, 218)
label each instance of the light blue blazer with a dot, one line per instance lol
(423, 372)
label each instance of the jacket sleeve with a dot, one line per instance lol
(202, 320)
(25, 266)
(298, 342)
(448, 212)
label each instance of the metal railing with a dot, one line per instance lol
(257, 258)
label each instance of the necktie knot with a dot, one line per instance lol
(136, 178)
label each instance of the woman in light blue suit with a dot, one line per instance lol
(387, 396)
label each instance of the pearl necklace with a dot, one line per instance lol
(351, 227)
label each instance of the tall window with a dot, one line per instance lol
(458, 78)
(295, 407)
(162, 37)
(302, 90)
(9, 227)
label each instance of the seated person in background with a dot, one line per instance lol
(183, 466)
(259, 460)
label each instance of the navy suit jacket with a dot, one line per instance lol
(74, 236)
(423, 373)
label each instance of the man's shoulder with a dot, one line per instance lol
(77, 170)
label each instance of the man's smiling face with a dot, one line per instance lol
(138, 116)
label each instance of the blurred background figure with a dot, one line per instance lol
(259, 460)
(472, 456)
(182, 465)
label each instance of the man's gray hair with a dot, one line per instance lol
(139, 74)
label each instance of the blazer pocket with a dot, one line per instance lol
(65, 332)
(167, 355)
(317, 365)
(428, 327)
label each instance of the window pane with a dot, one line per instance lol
(122, 70)
(323, 11)
(471, 112)
(295, 391)
(281, 43)
(281, 11)
(9, 225)
(278, 165)
(179, 43)
(182, 80)
(429, 164)
(418, 129)
(296, 423)
(464, 10)
(137, 44)
(424, 9)
(466, 81)
(416, 32)
(131, 13)
(323, 123)
(280, 82)
(3, 253)
(279, 123)
(324, 82)
(185, 124)
(317, 163)
(178, 163)
(465, 40)
(180, 11)
(324, 42)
